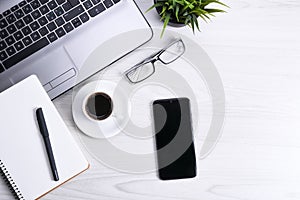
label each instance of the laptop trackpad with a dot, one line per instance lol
(46, 65)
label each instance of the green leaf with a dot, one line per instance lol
(199, 12)
(202, 17)
(214, 1)
(193, 24)
(173, 3)
(223, 4)
(211, 10)
(179, 2)
(196, 22)
(155, 5)
(166, 21)
(187, 20)
(163, 11)
(177, 12)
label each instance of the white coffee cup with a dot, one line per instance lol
(97, 106)
(109, 124)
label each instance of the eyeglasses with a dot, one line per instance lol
(146, 68)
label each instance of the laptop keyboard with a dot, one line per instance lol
(33, 24)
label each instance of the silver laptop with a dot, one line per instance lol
(53, 38)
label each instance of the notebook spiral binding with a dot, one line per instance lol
(10, 182)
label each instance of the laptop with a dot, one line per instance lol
(53, 38)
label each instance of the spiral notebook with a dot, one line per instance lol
(24, 162)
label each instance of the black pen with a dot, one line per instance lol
(45, 134)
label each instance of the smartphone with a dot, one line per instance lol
(174, 139)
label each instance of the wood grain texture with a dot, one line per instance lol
(256, 48)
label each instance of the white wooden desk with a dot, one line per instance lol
(256, 48)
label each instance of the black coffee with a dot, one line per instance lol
(99, 106)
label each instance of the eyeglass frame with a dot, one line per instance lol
(152, 59)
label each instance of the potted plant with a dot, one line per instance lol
(185, 12)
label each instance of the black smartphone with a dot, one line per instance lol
(174, 139)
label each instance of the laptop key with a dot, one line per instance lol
(10, 50)
(42, 21)
(25, 53)
(27, 19)
(76, 22)
(11, 29)
(73, 13)
(3, 55)
(44, 9)
(51, 16)
(52, 4)
(19, 46)
(34, 26)
(68, 27)
(36, 14)
(84, 17)
(59, 21)
(3, 34)
(116, 1)
(14, 8)
(27, 9)
(43, 31)
(2, 45)
(11, 18)
(7, 12)
(20, 24)
(35, 36)
(10, 40)
(67, 6)
(52, 37)
(87, 4)
(73, 2)
(22, 3)
(26, 30)
(18, 35)
(3, 23)
(60, 32)
(35, 4)
(51, 26)
(27, 41)
(108, 3)
(59, 11)
(19, 14)
(96, 10)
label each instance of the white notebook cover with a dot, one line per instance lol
(22, 148)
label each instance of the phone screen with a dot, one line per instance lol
(174, 139)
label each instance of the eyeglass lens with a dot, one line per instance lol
(172, 52)
(141, 72)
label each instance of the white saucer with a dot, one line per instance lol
(110, 126)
